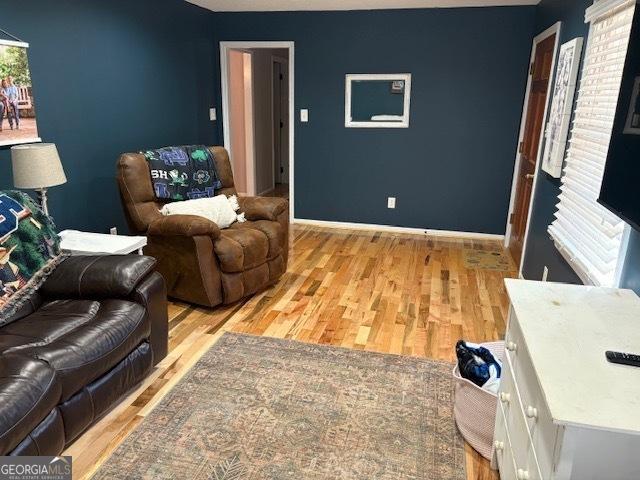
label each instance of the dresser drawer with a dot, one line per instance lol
(502, 449)
(513, 339)
(516, 426)
(543, 432)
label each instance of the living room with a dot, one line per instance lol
(218, 271)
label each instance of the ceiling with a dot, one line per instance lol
(292, 5)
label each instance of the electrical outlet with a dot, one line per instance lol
(391, 202)
(304, 115)
(212, 114)
(113, 230)
(545, 273)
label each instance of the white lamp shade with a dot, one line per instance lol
(37, 165)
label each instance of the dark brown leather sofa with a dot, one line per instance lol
(92, 332)
(201, 263)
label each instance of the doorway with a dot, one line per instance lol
(257, 103)
(534, 116)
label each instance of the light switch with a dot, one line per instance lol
(304, 115)
(212, 114)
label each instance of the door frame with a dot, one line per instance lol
(553, 29)
(275, 59)
(224, 84)
(250, 157)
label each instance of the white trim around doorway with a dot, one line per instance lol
(224, 79)
(553, 29)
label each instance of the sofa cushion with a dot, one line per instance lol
(29, 390)
(247, 245)
(79, 339)
(272, 230)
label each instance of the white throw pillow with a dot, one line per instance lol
(219, 209)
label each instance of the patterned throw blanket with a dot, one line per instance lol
(183, 173)
(29, 250)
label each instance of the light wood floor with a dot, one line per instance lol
(404, 294)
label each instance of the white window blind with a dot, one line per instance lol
(586, 234)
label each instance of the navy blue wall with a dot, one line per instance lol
(540, 250)
(109, 77)
(452, 168)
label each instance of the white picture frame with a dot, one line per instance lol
(564, 89)
(382, 121)
(20, 114)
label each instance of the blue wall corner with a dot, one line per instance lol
(111, 77)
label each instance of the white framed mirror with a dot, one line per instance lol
(377, 100)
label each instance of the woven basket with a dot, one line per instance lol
(475, 409)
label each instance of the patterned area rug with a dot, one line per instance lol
(498, 261)
(262, 408)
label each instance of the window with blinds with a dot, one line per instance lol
(590, 237)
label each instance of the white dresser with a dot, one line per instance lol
(564, 412)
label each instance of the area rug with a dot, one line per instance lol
(481, 259)
(256, 408)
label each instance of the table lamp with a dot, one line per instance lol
(37, 166)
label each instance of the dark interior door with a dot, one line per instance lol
(540, 73)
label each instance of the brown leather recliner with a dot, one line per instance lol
(200, 262)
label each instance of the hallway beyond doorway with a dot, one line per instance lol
(258, 97)
(280, 190)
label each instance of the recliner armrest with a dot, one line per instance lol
(183, 225)
(97, 276)
(262, 208)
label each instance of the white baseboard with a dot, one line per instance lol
(393, 229)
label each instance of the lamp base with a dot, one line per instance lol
(42, 199)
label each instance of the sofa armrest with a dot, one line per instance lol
(151, 293)
(97, 276)
(262, 208)
(183, 226)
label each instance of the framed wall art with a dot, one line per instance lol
(17, 106)
(564, 91)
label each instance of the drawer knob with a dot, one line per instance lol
(498, 445)
(512, 346)
(522, 474)
(505, 397)
(532, 412)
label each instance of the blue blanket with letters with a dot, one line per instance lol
(183, 173)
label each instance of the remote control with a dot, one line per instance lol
(623, 358)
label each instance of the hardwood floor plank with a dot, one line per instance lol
(393, 293)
